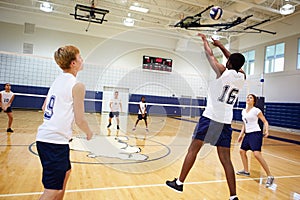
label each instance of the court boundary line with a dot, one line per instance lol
(143, 186)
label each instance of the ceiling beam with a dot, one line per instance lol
(258, 6)
(234, 13)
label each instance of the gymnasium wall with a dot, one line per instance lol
(280, 89)
(116, 62)
(282, 86)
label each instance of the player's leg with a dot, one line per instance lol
(190, 158)
(109, 119)
(224, 156)
(177, 184)
(244, 158)
(49, 194)
(262, 161)
(62, 192)
(146, 123)
(243, 153)
(10, 119)
(195, 146)
(137, 121)
(265, 166)
(118, 120)
(55, 160)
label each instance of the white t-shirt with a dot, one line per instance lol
(59, 114)
(6, 96)
(142, 107)
(222, 95)
(250, 119)
(115, 105)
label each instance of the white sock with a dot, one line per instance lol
(232, 197)
(178, 182)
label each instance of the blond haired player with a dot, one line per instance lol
(63, 105)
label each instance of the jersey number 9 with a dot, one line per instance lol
(49, 109)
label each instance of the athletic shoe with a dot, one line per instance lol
(243, 173)
(118, 127)
(270, 181)
(174, 186)
(133, 129)
(147, 129)
(235, 198)
(9, 130)
(108, 125)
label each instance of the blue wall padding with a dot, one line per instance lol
(285, 115)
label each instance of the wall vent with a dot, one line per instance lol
(29, 28)
(27, 48)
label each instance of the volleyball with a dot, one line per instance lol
(216, 12)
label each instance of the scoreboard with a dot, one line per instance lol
(157, 63)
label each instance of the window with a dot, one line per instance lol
(249, 63)
(274, 59)
(298, 60)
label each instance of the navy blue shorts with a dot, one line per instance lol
(140, 117)
(55, 159)
(8, 110)
(112, 114)
(252, 141)
(215, 133)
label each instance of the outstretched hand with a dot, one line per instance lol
(202, 36)
(217, 43)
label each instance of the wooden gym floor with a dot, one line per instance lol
(164, 146)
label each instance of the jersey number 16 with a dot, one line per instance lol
(229, 95)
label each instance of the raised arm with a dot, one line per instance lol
(78, 99)
(217, 43)
(216, 66)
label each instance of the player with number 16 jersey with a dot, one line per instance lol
(214, 127)
(222, 95)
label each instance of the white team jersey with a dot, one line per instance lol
(142, 107)
(115, 105)
(6, 96)
(222, 95)
(250, 119)
(59, 114)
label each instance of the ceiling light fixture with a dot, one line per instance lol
(46, 7)
(128, 21)
(139, 9)
(287, 9)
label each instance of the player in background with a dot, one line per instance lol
(251, 136)
(7, 97)
(115, 109)
(142, 114)
(214, 126)
(63, 105)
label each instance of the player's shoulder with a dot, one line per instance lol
(79, 86)
(256, 109)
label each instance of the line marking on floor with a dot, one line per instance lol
(142, 186)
